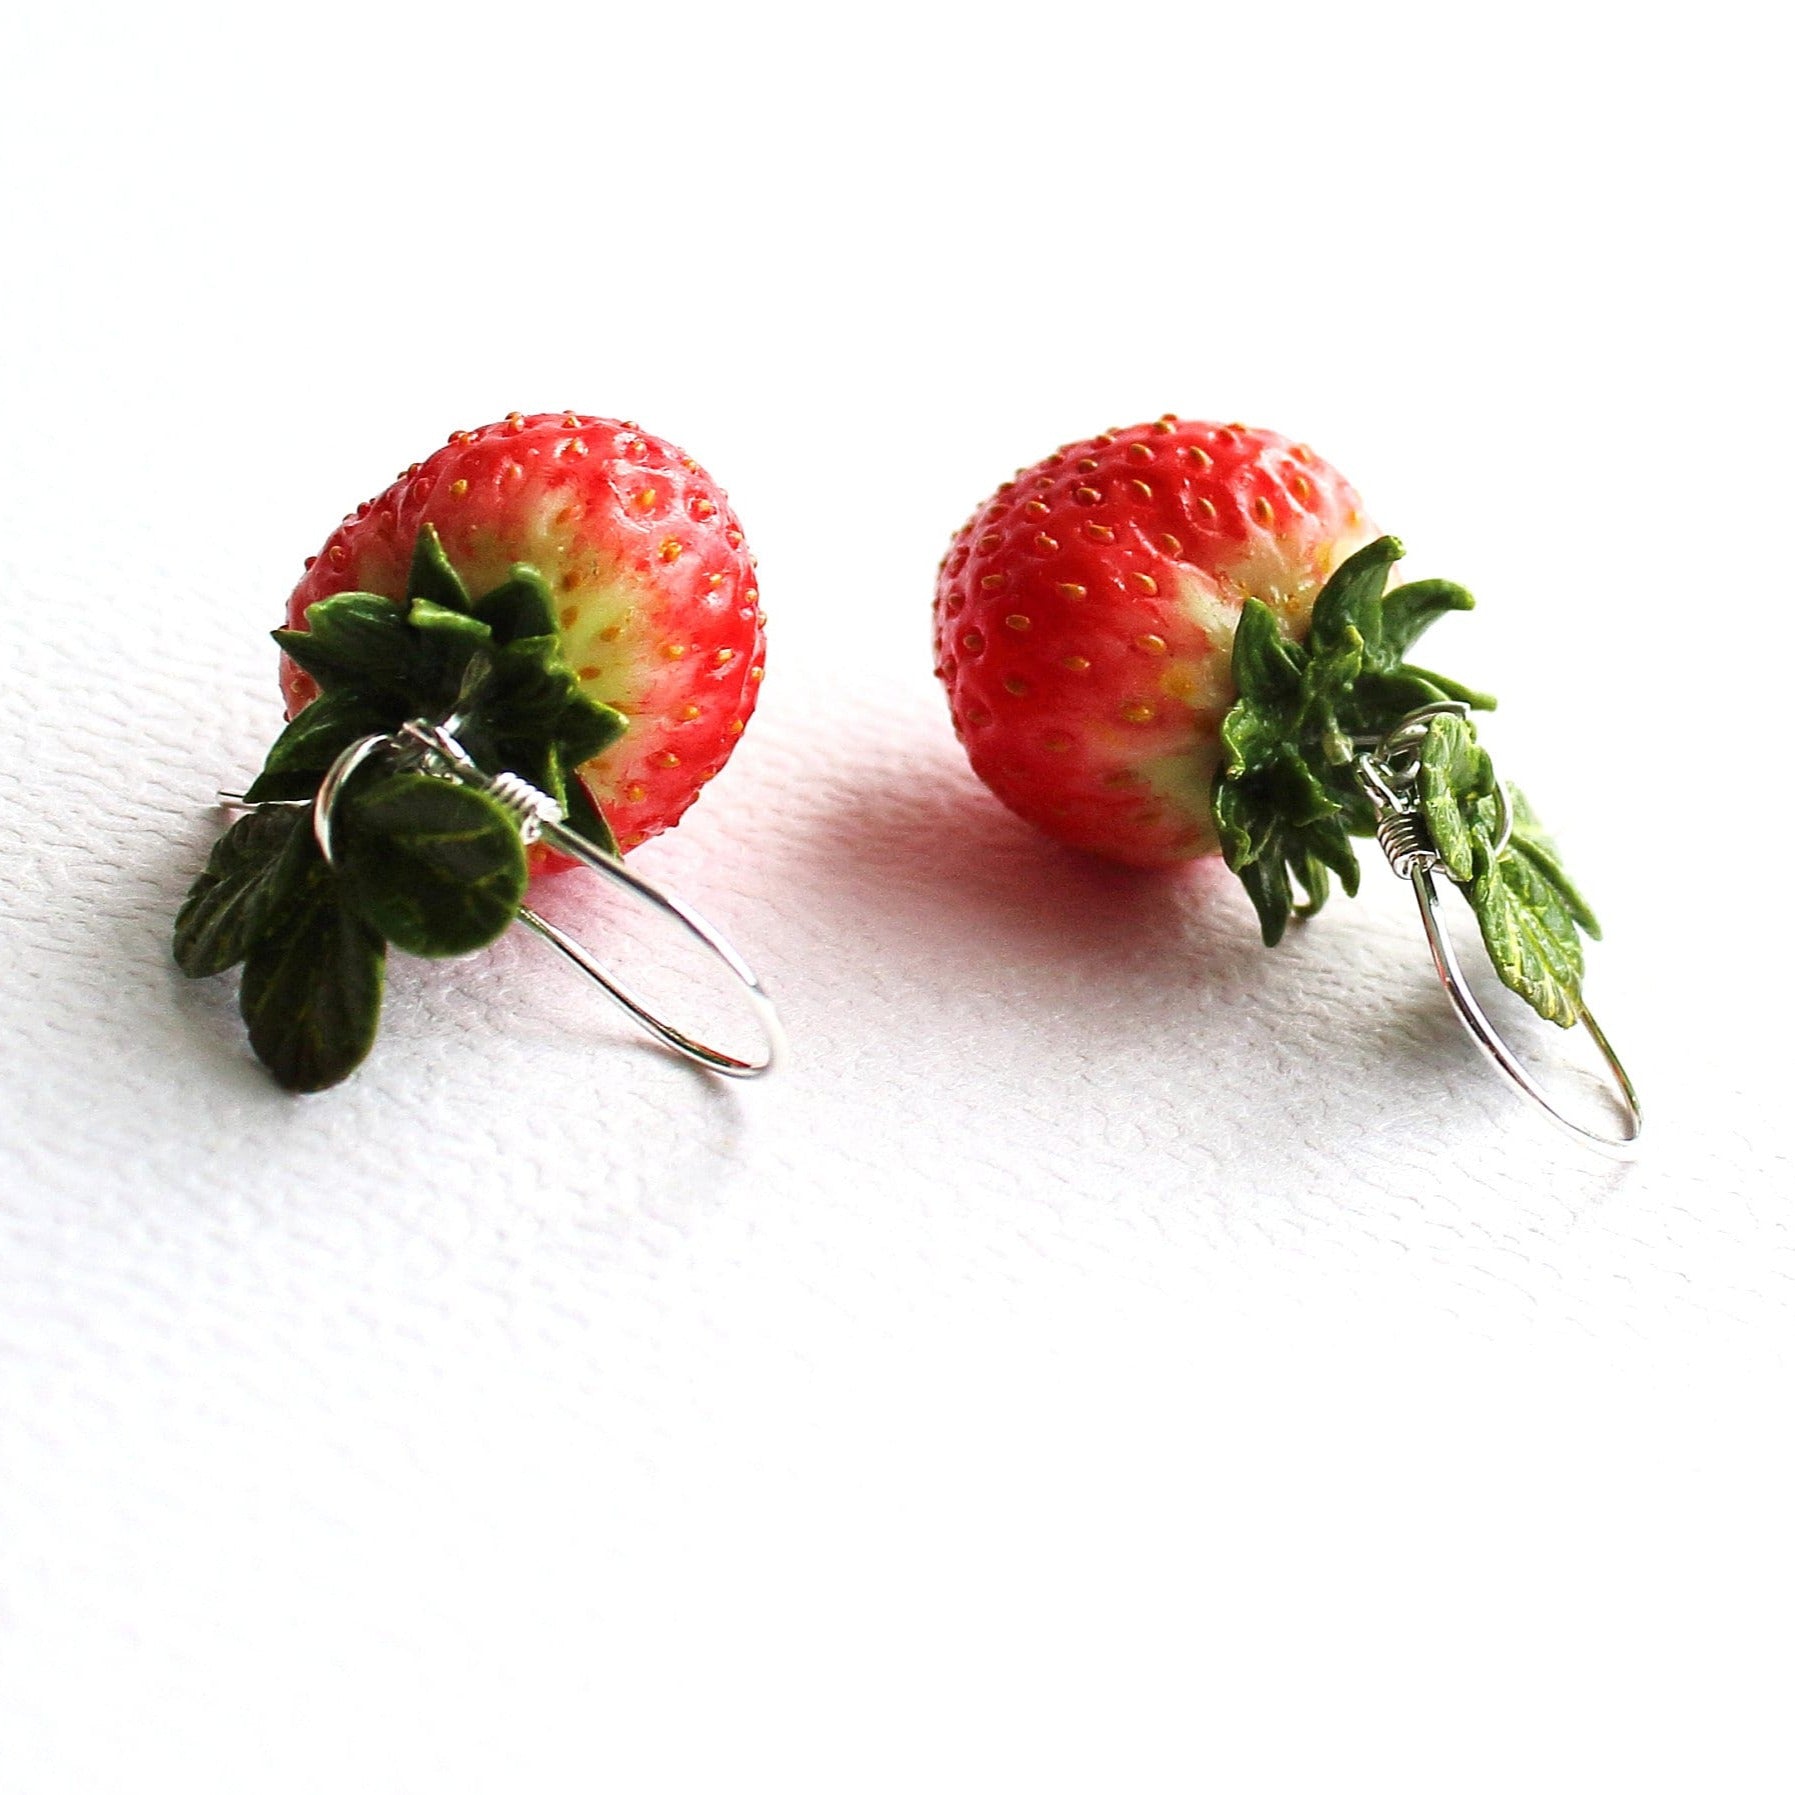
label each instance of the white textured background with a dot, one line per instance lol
(1113, 1357)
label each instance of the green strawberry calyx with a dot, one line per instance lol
(420, 863)
(1289, 795)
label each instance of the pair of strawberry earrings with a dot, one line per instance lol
(536, 646)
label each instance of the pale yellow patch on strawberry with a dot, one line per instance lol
(1288, 576)
(1191, 693)
(601, 616)
(604, 610)
(1182, 781)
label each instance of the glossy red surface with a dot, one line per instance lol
(1084, 620)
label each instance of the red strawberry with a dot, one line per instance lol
(656, 599)
(1084, 620)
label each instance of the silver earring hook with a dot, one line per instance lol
(432, 748)
(1386, 775)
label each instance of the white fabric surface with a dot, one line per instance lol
(1110, 1356)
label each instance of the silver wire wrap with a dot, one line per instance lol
(433, 749)
(1386, 769)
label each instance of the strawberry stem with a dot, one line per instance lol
(1286, 800)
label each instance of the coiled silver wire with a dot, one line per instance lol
(1387, 770)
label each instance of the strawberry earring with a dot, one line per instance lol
(1175, 640)
(533, 649)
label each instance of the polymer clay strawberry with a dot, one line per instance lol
(571, 600)
(1175, 640)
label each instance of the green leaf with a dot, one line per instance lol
(404, 661)
(453, 631)
(520, 606)
(1235, 814)
(1251, 736)
(1413, 608)
(1331, 671)
(1455, 776)
(357, 642)
(1450, 688)
(312, 988)
(1268, 885)
(1527, 908)
(437, 868)
(1328, 842)
(1379, 700)
(531, 687)
(1278, 851)
(433, 577)
(587, 728)
(1530, 839)
(1294, 789)
(1313, 876)
(1275, 813)
(1248, 821)
(1530, 934)
(450, 654)
(253, 869)
(531, 716)
(1267, 667)
(1353, 597)
(585, 818)
(305, 749)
